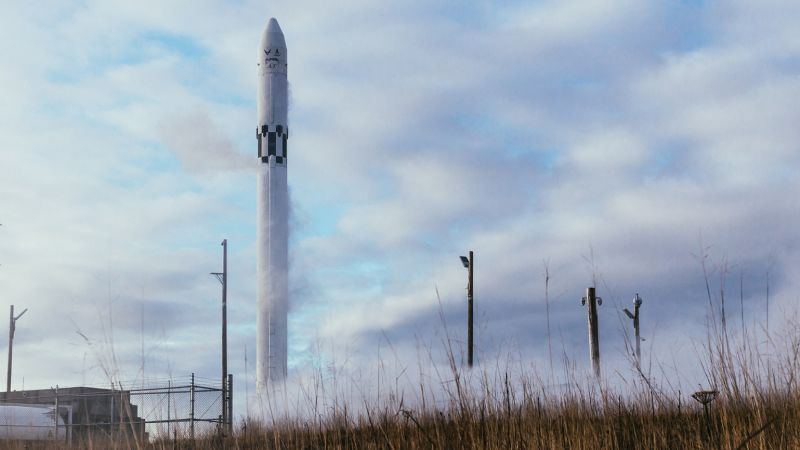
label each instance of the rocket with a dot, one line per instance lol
(272, 134)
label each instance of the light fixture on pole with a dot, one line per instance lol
(637, 302)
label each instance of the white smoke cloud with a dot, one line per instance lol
(200, 145)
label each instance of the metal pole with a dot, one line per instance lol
(594, 341)
(111, 415)
(120, 412)
(12, 326)
(246, 383)
(230, 404)
(69, 425)
(10, 348)
(223, 279)
(169, 396)
(191, 412)
(637, 302)
(470, 314)
(224, 325)
(56, 414)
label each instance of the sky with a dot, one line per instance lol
(615, 143)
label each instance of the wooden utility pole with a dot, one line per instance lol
(223, 279)
(12, 326)
(594, 340)
(468, 264)
(637, 302)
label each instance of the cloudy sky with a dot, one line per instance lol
(614, 142)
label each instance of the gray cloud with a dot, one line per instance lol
(654, 147)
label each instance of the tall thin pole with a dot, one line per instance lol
(223, 279)
(591, 301)
(169, 397)
(224, 328)
(637, 302)
(191, 411)
(470, 314)
(12, 326)
(111, 414)
(10, 348)
(56, 413)
(246, 383)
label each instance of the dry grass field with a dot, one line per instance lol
(757, 406)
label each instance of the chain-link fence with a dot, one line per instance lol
(181, 408)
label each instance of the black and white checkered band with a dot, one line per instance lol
(272, 143)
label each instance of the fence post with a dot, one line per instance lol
(111, 414)
(191, 411)
(70, 422)
(120, 410)
(230, 404)
(56, 415)
(169, 395)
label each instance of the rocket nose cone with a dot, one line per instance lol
(273, 35)
(273, 27)
(272, 53)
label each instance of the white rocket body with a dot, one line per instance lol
(272, 133)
